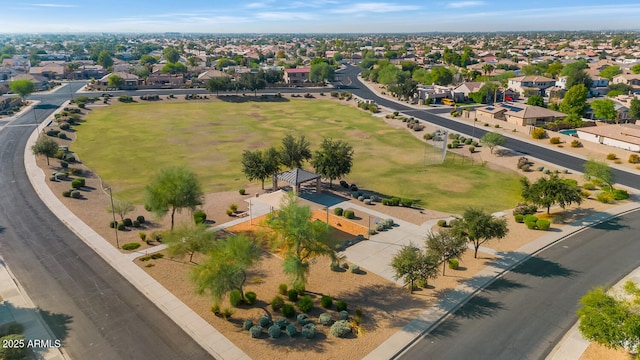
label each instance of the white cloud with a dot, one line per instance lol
(464, 4)
(55, 5)
(259, 5)
(278, 16)
(374, 8)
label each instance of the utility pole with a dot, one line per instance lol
(113, 212)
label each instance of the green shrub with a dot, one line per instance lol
(255, 331)
(265, 321)
(121, 227)
(274, 331)
(247, 324)
(62, 136)
(226, 313)
(472, 149)
(303, 319)
(141, 219)
(199, 217)
(588, 186)
(142, 235)
(69, 158)
(65, 126)
(326, 301)
(292, 294)
(13, 352)
(576, 144)
(11, 328)
(215, 309)
(78, 183)
(309, 331)
(554, 140)
(543, 224)
(250, 297)
(530, 218)
(611, 156)
(282, 289)
(281, 323)
(64, 164)
(634, 159)
(135, 223)
(344, 184)
(355, 269)
(325, 319)
(75, 194)
(538, 133)
(340, 328)
(53, 133)
(235, 298)
(442, 223)
(454, 264)
(288, 311)
(305, 304)
(388, 223)
(127, 222)
(66, 193)
(337, 211)
(277, 303)
(519, 218)
(291, 330)
(530, 224)
(131, 246)
(343, 315)
(348, 214)
(605, 197)
(619, 194)
(341, 305)
(113, 224)
(233, 207)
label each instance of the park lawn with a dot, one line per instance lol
(127, 143)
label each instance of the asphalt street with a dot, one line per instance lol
(525, 313)
(89, 306)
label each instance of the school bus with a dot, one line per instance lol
(448, 101)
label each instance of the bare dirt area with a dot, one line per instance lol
(598, 352)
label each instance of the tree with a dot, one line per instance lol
(443, 246)
(22, 87)
(299, 238)
(635, 69)
(174, 68)
(225, 267)
(575, 100)
(610, 71)
(536, 100)
(604, 109)
(45, 146)
(171, 54)
(173, 189)
(294, 151)
(218, 84)
(253, 82)
(104, 59)
(333, 160)
(487, 69)
(405, 89)
(321, 72)
(115, 81)
(546, 192)
(493, 139)
(610, 321)
(478, 227)
(259, 164)
(188, 239)
(121, 207)
(411, 264)
(599, 170)
(634, 109)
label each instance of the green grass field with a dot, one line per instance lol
(127, 143)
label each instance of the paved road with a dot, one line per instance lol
(524, 315)
(542, 153)
(95, 312)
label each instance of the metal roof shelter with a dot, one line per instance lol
(295, 177)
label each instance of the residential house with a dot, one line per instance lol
(297, 75)
(627, 79)
(435, 93)
(210, 74)
(519, 114)
(130, 80)
(530, 85)
(7, 103)
(624, 136)
(41, 82)
(599, 85)
(50, 69)
(160, 79)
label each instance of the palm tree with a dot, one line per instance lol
(487, 69)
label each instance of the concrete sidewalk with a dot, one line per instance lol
(202, 332)
(17, 306)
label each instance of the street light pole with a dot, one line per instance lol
(113, 212)
(35, 118)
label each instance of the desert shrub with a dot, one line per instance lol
(360, 198)
(525, 209)
(141, 219)
(113, 224)
(589, 186)
(229, 212)
(525, 168)
(76, 171)
(341, 305)
(309, 331)
(530, 225)
(291, 330)
(277, 303)
(353, 187)
(199, 217)
(288, 311)
(265, 321)
(233, 207)
(343, 315)
(292, 294)
(255, 331)
(242, 191)
(454, 264)
(576, 144)
(380, 227)
(135, 223)
(344, 184)
(66, 193)
(619, 194)
(355, 269)
(78, 183)
(281, 323)
(64, 164)
(406, 202)
(69, 158)
(14, 352)
(53, 133)
(125, 99)
(282, 289)
(65, 126)
(611, 156)
(75, 194)
(605, 197)
(349, 214)
(340, 328)
(388, 222)
(250, 297)
(226, 313)
(131, 246)
(303, 319)
(235, 297)
(543, 224)
(554, 140)
(427, 136)
(367, 201)
(121, 227)
(326, 301)
(127, 222)
(247, 324)
(530, 218)
(274, 331)
(546, 171)
(519, 218)
(305, 304)
(634, 159)
(345, 265)
(62, 136)
(325, 319)
(538, 133)
(442, 223)
(11, 328)
(472, 149)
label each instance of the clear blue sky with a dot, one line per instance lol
(263, 16)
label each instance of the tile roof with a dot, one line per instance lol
(629, 133)
(297, 70)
